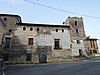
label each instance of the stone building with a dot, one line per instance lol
(77, 34)
(54, 40)
(22, 42)
(7, 30)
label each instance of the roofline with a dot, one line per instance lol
(9, 15)
(91, 39)
(42, 25)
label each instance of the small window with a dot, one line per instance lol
(70, 45)
(24, 28)
(63, 22)
(80, 52)
(5, 19)
(62, 30)
(30, 41)
(75, 22)
(37, 29)
(56, 30)
(76, 30)
(57, 44)
(94, 51)
(28, 57)
(31, 29)
(10, 30)
(78, 41)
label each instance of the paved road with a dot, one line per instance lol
(87, 67)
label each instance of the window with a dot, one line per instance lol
(80, 52)
(90, 51)
(7, 43)
(31, 29)
(37, 29)
(70, 45)
(94, 43)
(57, 44)
(5, 19)
(18, 20)
(91, 43)
(62, 30)
(94, 51)
(10, 30)
(76, 30)
(56, 30)
(75, 22)
(30, 41)
(78, 41)
(24, 28)
(28, 57)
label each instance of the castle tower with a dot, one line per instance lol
(8, 23)
(77, 34)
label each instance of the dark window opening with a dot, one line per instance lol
(80, 52)
(10, 30)
(78, 41)
(56, 30)
(75, 22)
(70, 45)
(91, 43)
(31, 29)
(5, 19)
(62, 30)
(5, 57)
(30, 41)
(94, 51)
(28, 57)
(7, 42)
(37, 29)
(91, 52)
(57, 44)
(94, 44)
(76, 30)
(24, 28)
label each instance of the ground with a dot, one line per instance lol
(85, 67)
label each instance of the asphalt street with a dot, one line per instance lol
(86, 67)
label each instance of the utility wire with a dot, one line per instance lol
(61, 9)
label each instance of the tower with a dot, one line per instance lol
(77, 34)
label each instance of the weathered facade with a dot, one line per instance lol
(54, 40)
(8, 28)
(92, 46)
(22, 42)
(77, 33)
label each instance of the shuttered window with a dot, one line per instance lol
(30, 41)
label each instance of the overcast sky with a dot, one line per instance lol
(56, 11)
